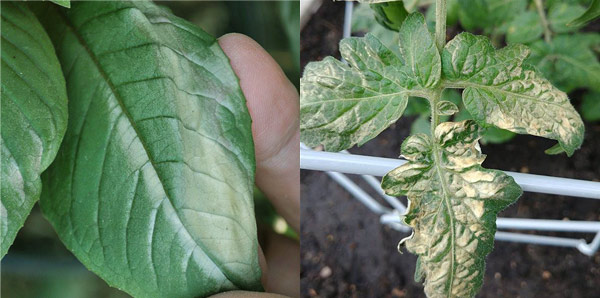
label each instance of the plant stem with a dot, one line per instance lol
(540, 9)
(435, 117)
(440, 24)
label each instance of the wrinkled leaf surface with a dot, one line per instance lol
(453, 207)
(499, 90)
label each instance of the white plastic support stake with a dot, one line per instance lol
(378, 166)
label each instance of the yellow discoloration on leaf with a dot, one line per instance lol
(504, 92)
(453, 203)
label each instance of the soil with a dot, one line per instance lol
(346, 252)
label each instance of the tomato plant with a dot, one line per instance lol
(454, 201)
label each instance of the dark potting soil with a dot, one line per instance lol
(346, 252)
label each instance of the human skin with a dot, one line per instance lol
(273, 103)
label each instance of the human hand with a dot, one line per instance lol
(274, 106)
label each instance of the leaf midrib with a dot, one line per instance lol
(437, 165)
(465, 84)
(117, 96)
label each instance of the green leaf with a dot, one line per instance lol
(363, 20)
(568, 61)
(501, 91)
(390, 14)
(152, 188)
(561, 14)
(343, 105)
(489, 134)
(419, 51)
(416, 106)
(589, 15)
(525, 28)
(453, 207)
(33, 114)
(64, 3)
(446, 108)
(488, 14)
(590, 106)
(421, 125)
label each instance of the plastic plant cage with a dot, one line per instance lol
(338, 164)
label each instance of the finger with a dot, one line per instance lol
(273, 105)
(283, 257)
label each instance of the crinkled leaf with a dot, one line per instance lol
(390, 14)
(590, 106)
(561, 14)
(343, 105)
(152, 188)
(524, 28)
(568, 61)
(33, 115)
(592, 13)
(500, 91)
(489, 134)
(446, 108)
(453, 207)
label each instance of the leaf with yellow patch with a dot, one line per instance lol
(501, 91)
(453, 207)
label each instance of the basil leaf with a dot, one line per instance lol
(568, 61)
(500, 91)
(592, 13)
(152, 189)
(453, 207)
(33, 114)
(343, 105)
(64, 3)
(390, 14)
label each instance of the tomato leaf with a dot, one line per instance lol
(345, 105)
(568, 61)
(501, 91)
(453, 207)
(390, 14)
